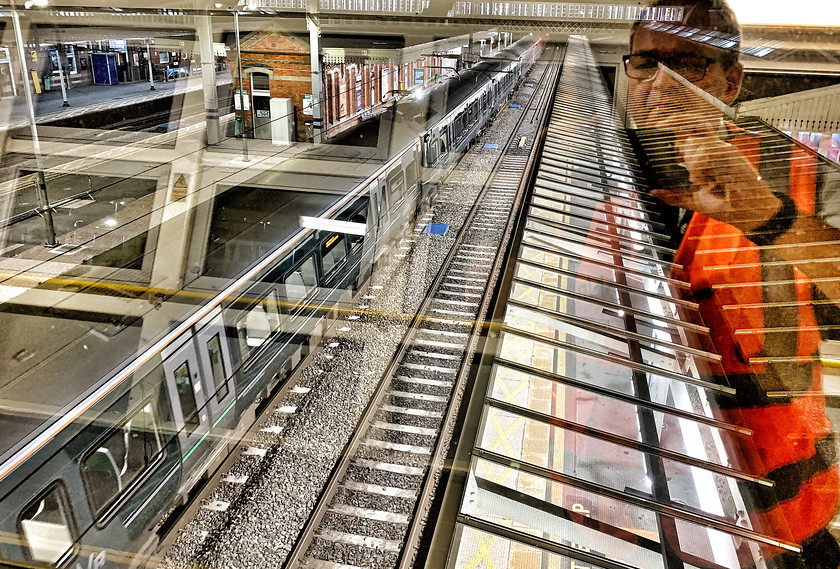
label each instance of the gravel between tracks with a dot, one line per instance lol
(267, 512)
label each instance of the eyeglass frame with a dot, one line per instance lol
(667, 62)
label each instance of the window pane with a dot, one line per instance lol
(259, 81)
(46, 528)
(301, 281)
(272, 305)
(334, 253)
(307, 272)
(295, 288)
(254, 328)
(121, 458)
(214, 352)
(186, 396)
(396, 185)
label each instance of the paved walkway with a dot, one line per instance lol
(49, 106)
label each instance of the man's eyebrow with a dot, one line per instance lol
(654, 54)
(647, 53)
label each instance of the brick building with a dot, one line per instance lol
(356, 82)
(275, 64)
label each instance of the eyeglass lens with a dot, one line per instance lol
(644, 67)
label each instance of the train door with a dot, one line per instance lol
(189, 399)
(218, 384)
(378, 218)
(384, 212)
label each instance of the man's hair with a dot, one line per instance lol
(707, 15)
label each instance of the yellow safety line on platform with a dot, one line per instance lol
(501, 439)
(483, 553)
(510, 394)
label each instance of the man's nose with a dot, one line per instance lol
(662, 80)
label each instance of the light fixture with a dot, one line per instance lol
(323, 224)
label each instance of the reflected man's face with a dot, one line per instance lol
(660, 96)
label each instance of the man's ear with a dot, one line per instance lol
(734, 77)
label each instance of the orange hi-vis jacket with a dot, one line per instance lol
(761, 319)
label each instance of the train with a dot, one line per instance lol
(115, 426)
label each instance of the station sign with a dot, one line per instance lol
(237, 101)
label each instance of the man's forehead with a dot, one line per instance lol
(654, 42)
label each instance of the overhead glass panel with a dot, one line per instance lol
(685, 420)
(593, 266)
(591, 318)
(596, 176)
(624, 242)
(605, 434)
(520, 505)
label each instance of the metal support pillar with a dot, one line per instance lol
(41, 186)
(208, 78)
(315, 68)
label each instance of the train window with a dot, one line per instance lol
(411, 173)
(333, 253)
(301, 281)
(47, 526)
(396, 185)
(217, 365)
(431, 152)
(253, 329)
(272, 306)
(186, 396)
(125, 455)
(356, 240)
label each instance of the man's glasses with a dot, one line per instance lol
(643, 67)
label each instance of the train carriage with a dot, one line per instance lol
(138, 400)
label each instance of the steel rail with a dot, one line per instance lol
(426, 493)
(308, 532)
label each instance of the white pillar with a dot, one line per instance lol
(208, 78)
(151, 69)
(315, 67)
(62, 59)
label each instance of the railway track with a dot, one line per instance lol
(253, 510)
(371, 513)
